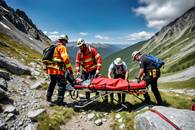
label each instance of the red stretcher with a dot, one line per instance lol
(108, 86)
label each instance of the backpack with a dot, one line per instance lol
(48, 54)
(157, 62)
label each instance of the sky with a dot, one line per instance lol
(102, 21)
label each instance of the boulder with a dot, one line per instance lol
(184, 119)
(4, 75)
(33, 115)
(13, 65)
(3, 84)
(10, 109)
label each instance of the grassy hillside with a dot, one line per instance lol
(125, 54)
(17, 50)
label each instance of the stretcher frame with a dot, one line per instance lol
(80, 104)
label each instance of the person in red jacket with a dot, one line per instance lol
(89, 61)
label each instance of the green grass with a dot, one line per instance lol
(17, 50)
(54, 117)
(189, 84)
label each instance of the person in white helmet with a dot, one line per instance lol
(150, 73)
(119, 70)
(89, 61)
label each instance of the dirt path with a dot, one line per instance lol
(82, 122)
(180, 76)
(189, 92)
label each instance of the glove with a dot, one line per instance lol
(138, 79)
(78, 75)
(97, 73)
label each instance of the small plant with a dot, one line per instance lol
(54, 117)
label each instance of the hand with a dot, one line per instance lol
(138, 79)
(97, 73)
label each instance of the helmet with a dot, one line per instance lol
(134, 54)
(118, 61)
(63, 37)
(80, 42)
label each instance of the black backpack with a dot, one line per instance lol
(48, 54)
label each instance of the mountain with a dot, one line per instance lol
(174, 43)
(104, 49)
(19, 37)
(125, 54)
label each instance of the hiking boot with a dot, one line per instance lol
(48, 99)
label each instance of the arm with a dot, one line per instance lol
(126, 71)
(98, 58)
(65, 57)
(126, 75)
(110, 71)
(141, 72)
(78, 62)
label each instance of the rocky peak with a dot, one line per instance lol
(22, 22)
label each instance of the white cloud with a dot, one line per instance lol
(83, 33)
(160, 12)
(101, 37)
(45, 32)
(139, 36)
(53, 37)
(54, 33)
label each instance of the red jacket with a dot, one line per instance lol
(89, 61)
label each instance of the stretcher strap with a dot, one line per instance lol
(165, 118)
(128, 85)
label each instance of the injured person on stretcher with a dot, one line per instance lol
(107, 84)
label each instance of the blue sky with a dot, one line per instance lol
(105, 21)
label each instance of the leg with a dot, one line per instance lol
(51, 87)
(156, 92)
(119, 98)
(61, 89)
(123, 97)
(147, 98)
(105, 99)
(112, 97)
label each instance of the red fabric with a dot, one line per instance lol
(86, 60)
(113, 84)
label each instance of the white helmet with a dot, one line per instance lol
(118, 61)
(63, 37)
(80, 42)
(134, 54)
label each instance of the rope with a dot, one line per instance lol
(165, 118)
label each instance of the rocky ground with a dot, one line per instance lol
(179, 76)
(25, 101)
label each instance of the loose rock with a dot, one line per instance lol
(90, 116)
(117, 116)
(34, 114)
(98, 122)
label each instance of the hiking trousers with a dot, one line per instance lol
(61, 82)
(154, 88)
